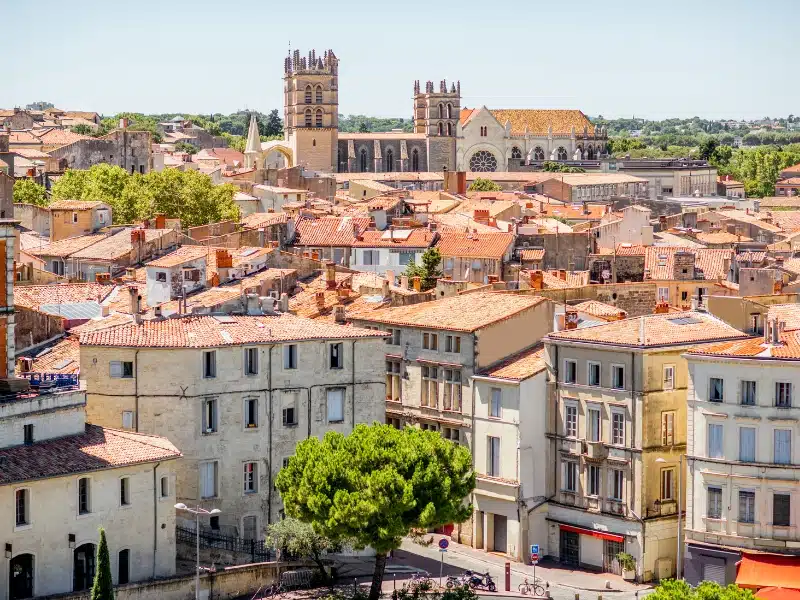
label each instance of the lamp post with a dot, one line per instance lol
(197, 512)
(680, 515)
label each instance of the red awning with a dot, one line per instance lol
(603, 535)
(777, 593)
(768, 570)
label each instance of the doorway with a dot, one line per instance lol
(569, 549)
(20, 577)
(500, 534)
(610, 551)
(83, 567)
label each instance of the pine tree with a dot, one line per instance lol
(103, 587)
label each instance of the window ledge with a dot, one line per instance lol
(336, 421)
(290, 424)
(26, 527)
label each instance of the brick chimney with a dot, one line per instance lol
(570, 319)
(320, 299)
(417, 283)
(330, 275)
(662, 308)
(537, 280)
(224, 259)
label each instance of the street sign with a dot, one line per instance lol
(443, 543)
(534, 548)
(442, 549)
(534, 558)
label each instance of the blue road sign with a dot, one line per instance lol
(443, 543)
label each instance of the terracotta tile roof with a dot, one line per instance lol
(96, 449)
(31, 240)
(118, 245)
(721, 237)
(247, 254)
(210, 332)
(788, 220)
(600, 309)
(792, 265)
(67, 246)
(257, 220)
(780, 201)
(532, 254)
(577, 212)
(789, 181)
(329, 231)
(474, 245)
(787, 349)
(33, 296)
(209, 299)
(552, 280)
(756, 257)
(655, 330)
(60, 137)
(113, 320)
(304, 302)
(420, 237)
(23, 137)
(226, 156)
(465, 115)
(518, 366)
(387, 203)
(538, 120)
(660, 260)
(182, 255)
(31, 153)
(455, 222)
(753, 218)
(728, 182)
(788, 313)
(75, 204)
(63, 357)
(466, 312)
(81, 114)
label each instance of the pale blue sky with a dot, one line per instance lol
(712, 58)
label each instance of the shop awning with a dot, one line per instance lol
(768, 570)
(603, 535)
(777, 593)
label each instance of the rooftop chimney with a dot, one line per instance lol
(320, 298)
(390, 276)
(537, 280)
(267, 305)
(135, 303)
(339, 314)
(662, 308)
(417, 282)
(404, 281)
(330, 275)
(570, 319)
(284, 303)
(385, 288)
(253, 307)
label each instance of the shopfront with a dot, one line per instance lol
(589, 548)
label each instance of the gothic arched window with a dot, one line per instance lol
(363, 160)
(441, 129)
(415, 160)
(441, 110)
(590, 153)
(538, 153)
(516, 152)
(319, 94)
(483, 161)
(562, 153)
(389, 166)
(308, 117)
(319, 117)
(449, 111)
(308, 94)
(449, 129)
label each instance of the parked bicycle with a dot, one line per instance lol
(536, 588)
(275, 590)
(457, 581)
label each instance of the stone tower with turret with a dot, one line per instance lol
(311, 109)
(436, 113)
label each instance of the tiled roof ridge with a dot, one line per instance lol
(135, 436)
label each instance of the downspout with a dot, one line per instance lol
(155, 516)
(630, 452)
(555, 412)
(353, 385)
(136, 389)
(269, 433)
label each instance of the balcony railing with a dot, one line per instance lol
(49, 380)
(662, 508)
(594, 450)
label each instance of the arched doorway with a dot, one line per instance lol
(20, 577)
(83, 567)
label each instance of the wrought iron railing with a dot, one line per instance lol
(209, 538)
(59, 380)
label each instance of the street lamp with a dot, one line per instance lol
(680, 515)
(197, 512)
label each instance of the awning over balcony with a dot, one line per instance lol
(603, 535)
(768, 570)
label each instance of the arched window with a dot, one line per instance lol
(363, 160)
(308, 117)
(449, 129)
(319, 94)
(388, 166)
(441, 110)
(83, 566)
(538, 153)
(516, 152)
(314, 142)
(308, 94)
(590, 153)
(562, 153)
(319, 117)
(449, 111)
(484, 131)
(441, 129)
(415, 160)
(483, 161)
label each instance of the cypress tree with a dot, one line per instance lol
(103, 587)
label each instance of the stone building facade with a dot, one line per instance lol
(130, 150)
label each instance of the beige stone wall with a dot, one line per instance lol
(62, 225)
(511, 335)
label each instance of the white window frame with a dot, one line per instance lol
(617, 413)
(28, 519)
(336, 356)
(213, 426)
(783, 389)
(774, 445)
(493, 456)
(289, 357)
(590, 411)
(251, 361)
(495, 403)
(668, 428)
(209, 367)
(755, 443)
(331, 395)
(589, 365)
(570, 466)
(89, 506)
(128, 419)
(668, 382)
(742, 387)
(667, 484)
(594, 481)
(567, 421)
(617, 477)
(250, 477)
(614, 369)
(116, 369)
(722, 440)
(566, 370)
(711, 387)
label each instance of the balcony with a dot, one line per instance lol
(569, 446)
(662, 508)
(616, 507)
(594, 450)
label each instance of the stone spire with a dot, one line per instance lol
(253, 146)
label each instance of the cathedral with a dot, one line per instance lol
(445, 136)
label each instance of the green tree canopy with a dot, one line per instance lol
(82, 129)
(484, 185)
(299, 538)
(186, 147)
(376, 485)
(103, 587)
(274, 124)
(428, 271)
(28, 191)
(708, 590)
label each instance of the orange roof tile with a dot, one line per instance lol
(537, 121)
(755, 347)
(118, 245)
(721, 237)
(474, 245)
(755, 257)
(63, 357)
(518, 366)
(329, 231)
(420, 237)
(180, 256)
(60, 137)
(75, 204)
(33, 296)
(23, 137)
(660, 260)
(600, 309)
(532, 254)
(257, 220)
(552, 279)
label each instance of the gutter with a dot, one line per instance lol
(136, 390)
(155, 516)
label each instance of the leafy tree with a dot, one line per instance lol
(484, 185)
(376, 485)
(203, 202)
(299, 539)
(555, 167)
(70, 185)
(103, 587)
(235, 142)
(186, 147)
(671, 589)
(28, 191)
(428, 271)
(363, 127)
(274, 125)
(707, 148)
(82, 129)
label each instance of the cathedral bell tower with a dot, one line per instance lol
(436, 114)
(311, 109)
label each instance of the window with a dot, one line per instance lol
(668, 428)
(121, 369)
(562, 153)
(84, 501)
(781, 508)
(516, 152)
(250, 477)
(251, 413)
(667, 479)
(570, 371)
(594, 480)
(496, 402)
(618, 428)
(747, 507)
(336, 405)
(493, 463)
(571, 476)
(208, 479)
(783, 394)
(715, 391)
(452, 343)
(22, 508)
(127, 419)
(669, 377)
(74, 217)
(210, 415)
(617, 480)
(483, 161)
(714, 505)
(124, 567)
(371, 257)
(309, 118)
(663, 293)
(783, 446)
(161, 276)
(748, 393)
(27, 433)
(430, 341)
(394, 337)
(450, 433)
(415, 160)
(593, 373)
(213, 522)
(393, 390)
(618, 377)
(747, 444)
(336, 355)
(164, 486)
(593, 424)
(538, 153)
(363, 160)
(308, 94)
(404, 258)
(124, 491)
(714, 440)
(389, 161)
(290, 356)
(319, 94)
(289, 416)
(210, 363)
(452, 390)
(430, 386)
(318, 118)
(571, 421)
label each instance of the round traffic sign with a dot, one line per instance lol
(443, 543)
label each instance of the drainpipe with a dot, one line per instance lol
(268, 397)
(155, 516)
(136, 390)
(630, 453)
(353, 386)
(555, 412)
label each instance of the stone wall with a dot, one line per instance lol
(346, 165)
(34, 328)
(441, 153)
(568, 251)
(127, 149)
(30, 216)
(6, 195)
